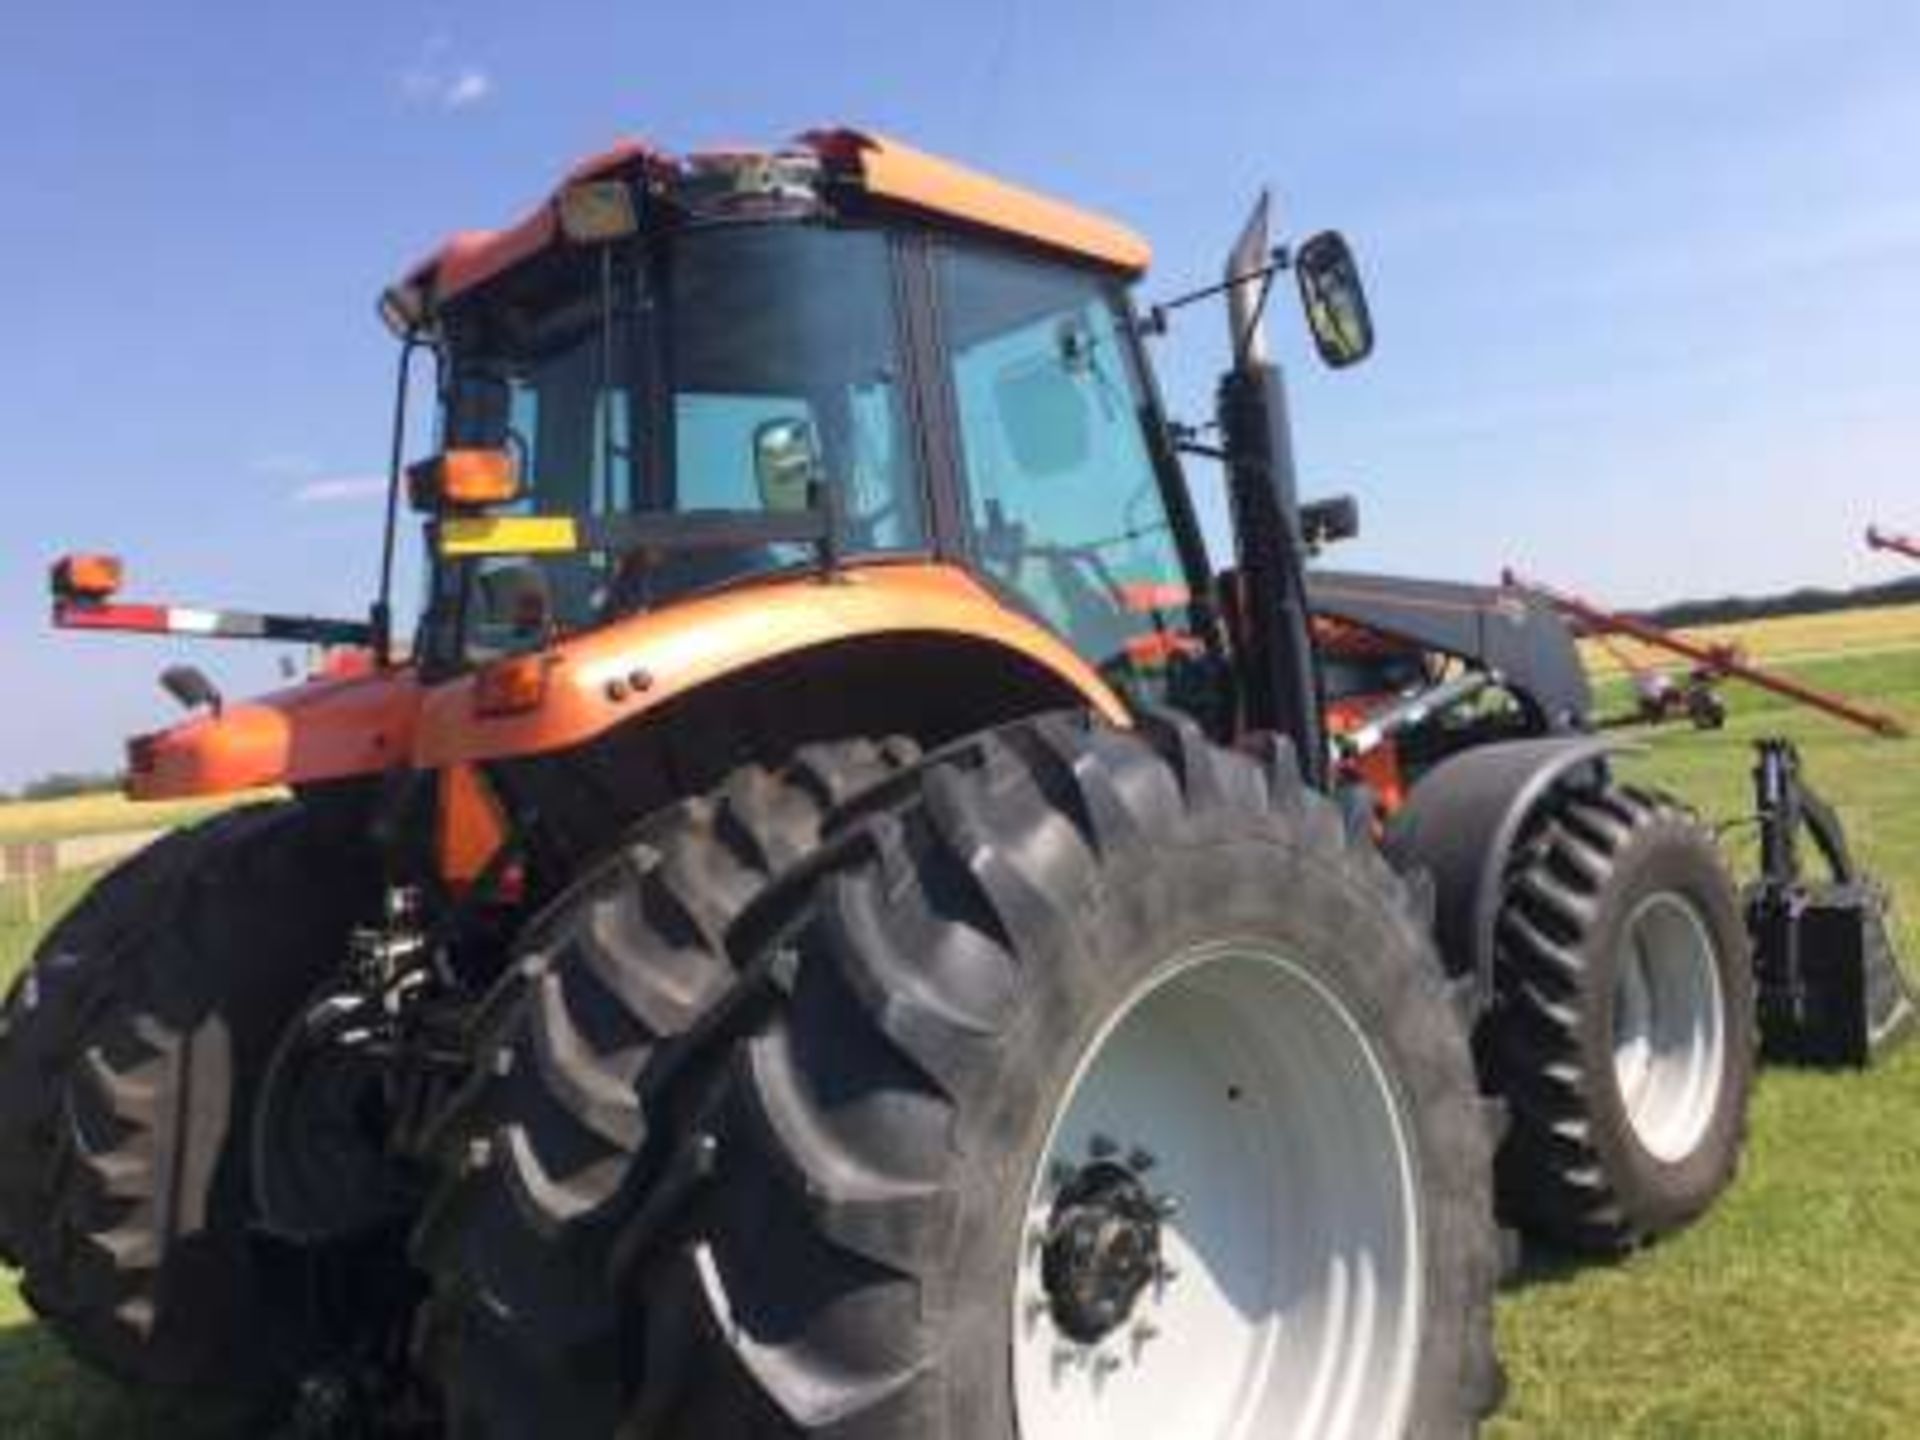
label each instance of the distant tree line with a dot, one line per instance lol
(1732, 609)
(61, 784)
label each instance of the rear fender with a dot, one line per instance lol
(1461, 823)
(648, 663)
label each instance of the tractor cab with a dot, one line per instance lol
(684, 364)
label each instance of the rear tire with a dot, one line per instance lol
(545, 1150)
(866, 1265)
(131, 1052)
(1623, 1031)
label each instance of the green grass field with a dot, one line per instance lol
(1792, 1311)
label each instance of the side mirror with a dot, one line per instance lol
(190, 686)
(786, 464)
(1335, 300)
(463, 480)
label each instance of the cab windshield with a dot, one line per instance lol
(735, 368)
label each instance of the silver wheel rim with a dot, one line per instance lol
(1239, 1092)
(1669, 1026)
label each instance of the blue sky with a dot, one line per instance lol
(1647, 276)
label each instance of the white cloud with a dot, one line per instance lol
(469, 87)
(437, 80)
(285, 465)
(338, 489)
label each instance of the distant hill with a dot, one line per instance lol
(1732, 609)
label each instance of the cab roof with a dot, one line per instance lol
(894, 175)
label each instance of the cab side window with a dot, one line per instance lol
(1063, 499)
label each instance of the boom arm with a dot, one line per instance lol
(1878, 539)
(1715, 659)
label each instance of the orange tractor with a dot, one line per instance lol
(840, 920)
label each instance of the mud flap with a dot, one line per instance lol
(1832, 991)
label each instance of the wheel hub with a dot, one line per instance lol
(1102, 1250)
(1669, 1031)
(1222, 1238)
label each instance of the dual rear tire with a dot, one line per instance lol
(1069, 1081)
(1080, 1081)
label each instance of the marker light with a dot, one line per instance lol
(86, 577)
(595, 211)
(754, 182)
(463, 479)
(511, 686)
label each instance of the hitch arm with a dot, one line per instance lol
(73, 614)
(85, 590)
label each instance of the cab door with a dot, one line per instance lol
(1064, 508)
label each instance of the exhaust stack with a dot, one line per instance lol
(1247, 278)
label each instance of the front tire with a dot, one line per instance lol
(1078, 973)
(1623, 1031)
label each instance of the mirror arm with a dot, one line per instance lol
(1155, 321)
(1205, 452)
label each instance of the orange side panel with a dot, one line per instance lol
(897, 172)
(470, 827)
(327, 729)
(607, 676)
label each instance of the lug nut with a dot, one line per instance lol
(1141, 1160)
(1105, 1364)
